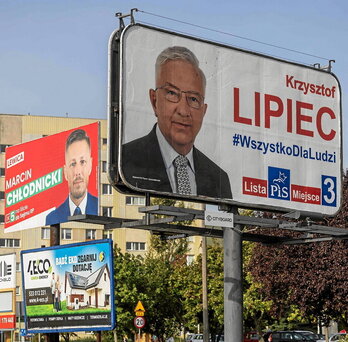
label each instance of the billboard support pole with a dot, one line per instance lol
(205, 290)
(54, 241)
(233, 292)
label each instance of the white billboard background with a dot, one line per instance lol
(226, 69)
(7, 271)
(6, 300)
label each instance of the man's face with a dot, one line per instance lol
(179, 122)
(77, 168)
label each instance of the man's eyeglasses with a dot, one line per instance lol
(173, 94)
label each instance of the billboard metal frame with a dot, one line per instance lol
(115, 129)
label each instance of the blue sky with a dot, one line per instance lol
(53, 56)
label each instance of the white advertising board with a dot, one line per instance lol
(267, 132)
(7, 271)
(7, 291)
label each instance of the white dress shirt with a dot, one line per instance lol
(82, 205)
(168, 155)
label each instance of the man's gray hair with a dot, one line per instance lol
(178, 53)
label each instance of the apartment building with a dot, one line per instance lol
(17, 129)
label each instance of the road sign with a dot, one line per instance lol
(139, 309)
(139, 322)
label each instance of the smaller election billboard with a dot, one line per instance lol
(49, 179)
(69, 288)
(7, 291)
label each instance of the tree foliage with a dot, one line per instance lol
(256, 308)
(190, 281)
(312, 276)
(149, 280)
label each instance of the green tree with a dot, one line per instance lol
(149, 280)
(163, 301)
(188, 281)
(127, 279)
(256, 309)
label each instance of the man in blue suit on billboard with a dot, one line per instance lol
(77, 169)
(166, 159)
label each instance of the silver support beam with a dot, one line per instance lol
(233, 291)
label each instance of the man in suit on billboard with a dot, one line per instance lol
(166, 159)
(77, 169)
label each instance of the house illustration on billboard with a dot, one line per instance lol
(88, 292)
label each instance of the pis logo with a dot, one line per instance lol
(278, 183)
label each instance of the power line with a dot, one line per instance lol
(234, 46)
(235, 36)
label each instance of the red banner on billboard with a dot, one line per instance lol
(49, 179)
(7, 322)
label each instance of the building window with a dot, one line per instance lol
(2, 171)
(190, 259)
(18, 290)
(2, 218)
(9, 243)
(135, 246)
(3, 148)
(107, 211)
(105, 141)
(90, 234)
(104, 166)
(106, 189)
(45, 233)
(2, 195)
(18, 266)
(107, 234)
(134, 200)
(66, 234)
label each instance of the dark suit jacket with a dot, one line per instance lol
(62, 213)
(144, 168)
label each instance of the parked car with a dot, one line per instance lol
(251, 336)
(312, 336)
(189, 337)
(289, 336)
(198, 338)
(337, 337)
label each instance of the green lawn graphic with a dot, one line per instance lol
(47, 310)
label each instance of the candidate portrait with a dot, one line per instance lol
(77, 170)
(166, 159)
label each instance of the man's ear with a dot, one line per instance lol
(153, 99)
(90, 166)
(205, 107)
(65, 172)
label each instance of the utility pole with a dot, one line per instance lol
(205, 291)
(54, 241)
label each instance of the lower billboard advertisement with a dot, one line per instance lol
(69, 287)
(7, 291)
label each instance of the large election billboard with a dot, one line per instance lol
(204, 121)
(7, 291)
(69, 287)
(51, 178)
